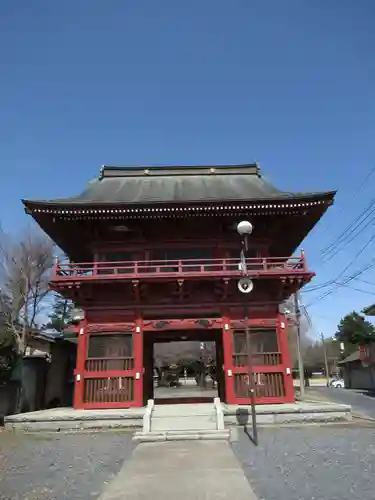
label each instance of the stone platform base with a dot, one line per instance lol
(68, 419)
(290, 413)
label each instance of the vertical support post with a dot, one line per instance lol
(325, 358)
(55, 270)
(79, 379)
(303, 259)
(282, 340)
(301, 368)
(138, 362)
(228, 360)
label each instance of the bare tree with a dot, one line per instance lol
(25, 270)
(314, 356)
(305, 341)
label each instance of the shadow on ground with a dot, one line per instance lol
(244, 420)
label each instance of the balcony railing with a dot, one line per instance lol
(193, 268)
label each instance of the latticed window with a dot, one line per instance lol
(107, 263)
(182, 253)
(110, 352)
(110, 346)
(264, 347)
(252, 252)
(262, 340)
(117, 256)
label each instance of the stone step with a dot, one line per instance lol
(209, 435)
(183, 410)
(201, 422)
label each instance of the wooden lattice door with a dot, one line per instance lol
(110, 371)
(267, 367)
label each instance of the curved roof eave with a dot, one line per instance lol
(281, 197)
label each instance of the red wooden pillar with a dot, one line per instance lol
(285, 357)
(228, 360)
(79, 380)
(138, 362)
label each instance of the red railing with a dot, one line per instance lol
(160, 269)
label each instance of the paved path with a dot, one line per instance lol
(181, 470)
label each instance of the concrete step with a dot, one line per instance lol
(183, 410)
(183, 423)
(209, 435)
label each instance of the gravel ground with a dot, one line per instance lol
(60, 466)
(310, 463)
(301, 463)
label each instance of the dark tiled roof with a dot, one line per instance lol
(149, 185)
(369, 310)
(356, 356)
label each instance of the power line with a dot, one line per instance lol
(348, 280)
(356, 256)
(342, 209)
(349, 234)
(337, 249)
(334, 281)
(358, 289)
(349, 229)
(365, 281)
(318, 287)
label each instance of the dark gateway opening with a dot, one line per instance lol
(184, 367)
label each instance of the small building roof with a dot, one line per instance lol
(355, 356)
(176, 184)
(369, 310)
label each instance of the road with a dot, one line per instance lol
(360, 402)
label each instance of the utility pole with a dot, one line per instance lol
(299, 355)
(325, 357)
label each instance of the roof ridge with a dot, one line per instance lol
(170, 170)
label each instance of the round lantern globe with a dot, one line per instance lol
(244, 228)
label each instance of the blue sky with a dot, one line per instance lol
(290, 84)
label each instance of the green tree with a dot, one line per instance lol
(355, 329)
(61, 314)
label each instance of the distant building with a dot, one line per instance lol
(357, 373)
(368, 351)
(359, 367)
